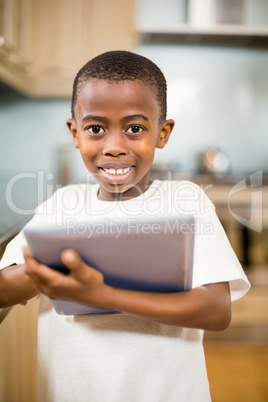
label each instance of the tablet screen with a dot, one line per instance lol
(146, 254)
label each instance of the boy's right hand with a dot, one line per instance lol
(84, 284)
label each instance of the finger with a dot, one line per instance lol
(71, 258)
(26, 252)
(39, 273)
(31, 265)
(78, 268)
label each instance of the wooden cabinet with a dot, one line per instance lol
(45, 42)
(18, 351)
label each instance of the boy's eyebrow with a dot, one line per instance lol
(102, 119)
(136, 116)
(92, 117)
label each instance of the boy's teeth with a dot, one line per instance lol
(117, 171)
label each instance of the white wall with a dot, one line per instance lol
(30, 132)
(218, 97)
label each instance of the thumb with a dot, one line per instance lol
(71, 258)
(74, 262)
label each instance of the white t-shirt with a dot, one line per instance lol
(118, 357)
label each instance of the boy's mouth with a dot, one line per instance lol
(116, 175)
(116, 172)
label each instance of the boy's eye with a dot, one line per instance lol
(95, 129)
(134, 129)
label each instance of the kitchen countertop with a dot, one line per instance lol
(235, 199)
(249, 204)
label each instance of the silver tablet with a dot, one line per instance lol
(146, 254)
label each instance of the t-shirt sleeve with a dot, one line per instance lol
(50, 211)
(214, 258)
(13, 253)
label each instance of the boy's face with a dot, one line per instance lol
(117, 129)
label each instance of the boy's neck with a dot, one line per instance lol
(127, 195)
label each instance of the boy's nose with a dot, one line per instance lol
(115, 144)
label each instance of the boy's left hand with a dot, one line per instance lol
(84, 284)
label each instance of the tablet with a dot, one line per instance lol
(145, 254)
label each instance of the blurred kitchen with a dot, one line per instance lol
(214, 56)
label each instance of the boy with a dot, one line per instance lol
(151, 350)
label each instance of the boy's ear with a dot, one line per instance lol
(165, 132)
(72, 128)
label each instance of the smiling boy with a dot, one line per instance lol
(151, 350)
(117, 140)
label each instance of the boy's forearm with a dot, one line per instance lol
(206, 307)
(15, 286)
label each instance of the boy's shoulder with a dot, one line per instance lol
(70, 196)
(72, 191)
(184, 194)
(180, 187)
(75, 188)
(179, 196)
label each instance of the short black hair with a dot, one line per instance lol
(121, 65)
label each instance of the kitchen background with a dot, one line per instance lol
(214, 56)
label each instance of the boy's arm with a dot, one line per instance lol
(205, 307)
(15, 286)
